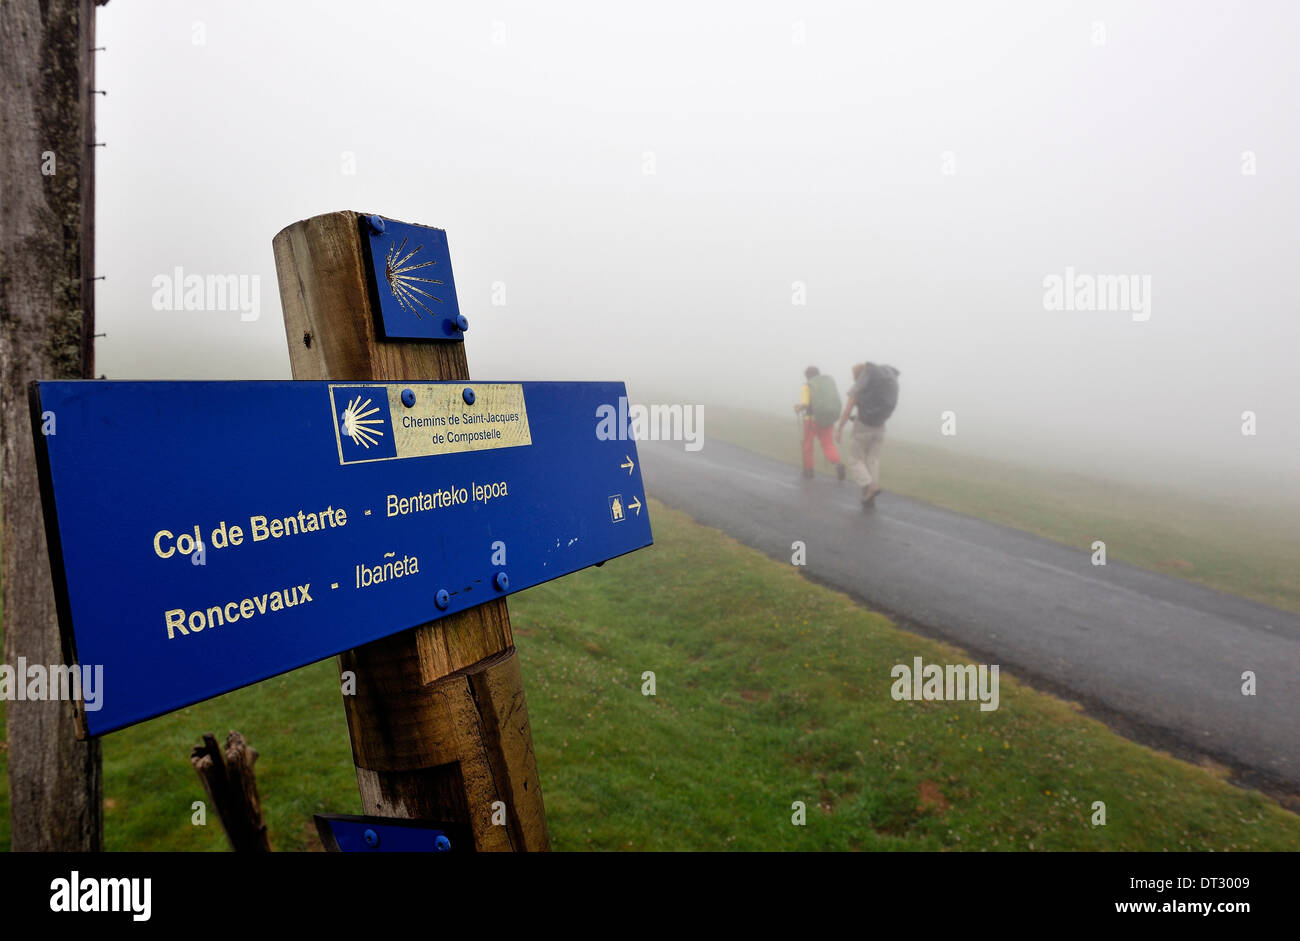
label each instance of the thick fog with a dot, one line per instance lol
(703, 199)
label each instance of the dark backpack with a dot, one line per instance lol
(878, 396)
(823, 400)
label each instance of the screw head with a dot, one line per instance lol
(462, 322)
(442, 844)
(442, 599)
(502, 581)
(376, 224)
(371, 838)
(408, 397)
(468, 396)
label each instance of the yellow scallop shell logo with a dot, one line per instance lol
(359, 426)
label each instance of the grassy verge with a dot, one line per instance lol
(1249, 551)
(770, 690)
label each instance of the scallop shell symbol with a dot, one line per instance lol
(406, 286)
(359, 426)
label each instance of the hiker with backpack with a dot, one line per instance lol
(820, 406)
(874, 395)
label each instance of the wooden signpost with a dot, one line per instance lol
(369, 498)
(439, 723)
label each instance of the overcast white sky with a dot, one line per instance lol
(920, 167)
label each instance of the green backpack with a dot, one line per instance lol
(824, 402)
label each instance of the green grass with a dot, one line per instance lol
(304, 766)
(1247, 550)
(770, 689)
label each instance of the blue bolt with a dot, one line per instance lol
(442, 599)
(468, 396)
(408, 398)
(462, 322)
(376, 224)
(371, 838)
(442, 844)
(502, 581)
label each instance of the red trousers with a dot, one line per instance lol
(823, 433)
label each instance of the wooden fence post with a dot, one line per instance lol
(439, 723)
(47, 298)
(231, 785)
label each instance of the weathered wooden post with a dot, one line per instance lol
(231, 785)
(439, 722)
(47, 304)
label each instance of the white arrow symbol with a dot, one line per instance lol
(629, 465)
(636, 505)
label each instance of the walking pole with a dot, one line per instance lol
(799, 419)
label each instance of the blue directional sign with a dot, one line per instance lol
(411, 284)
(207, 535)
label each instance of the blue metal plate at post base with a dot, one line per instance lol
(411, 284)
(347, 833)
(207, 535)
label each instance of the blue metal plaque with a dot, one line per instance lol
(207, 535)
(411, 284)
(349, 833)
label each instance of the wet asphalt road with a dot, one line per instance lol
(1157, 658)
